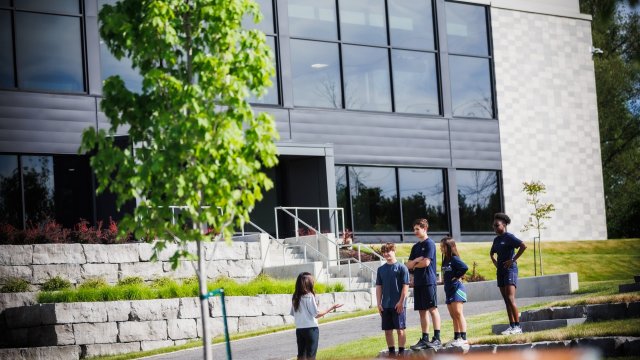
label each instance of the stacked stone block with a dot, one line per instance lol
(103, 328)
(38, 263)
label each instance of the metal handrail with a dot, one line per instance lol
(359, 252)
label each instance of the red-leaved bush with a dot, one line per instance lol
(50, 232)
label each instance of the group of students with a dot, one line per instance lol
(392, 286)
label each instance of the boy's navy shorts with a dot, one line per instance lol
(507, 277)
(425, 297)
(391, 320)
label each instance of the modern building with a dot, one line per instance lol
(392, 109)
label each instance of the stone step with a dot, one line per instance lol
(625, 288)
(531, 326)
(356, 283)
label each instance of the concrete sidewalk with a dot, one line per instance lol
(282, 345)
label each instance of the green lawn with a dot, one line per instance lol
(479, 328)
(599, 260)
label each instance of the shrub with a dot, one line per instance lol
(131, 280)
(475, 275)
(15, 285)
(56, 283)
(50, 232)
(166, 281)
(93, 283)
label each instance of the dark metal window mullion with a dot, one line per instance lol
(24, 204)
(83, 50)
(390, 66)
(349, 202)
(13, 44)
(401, 217)
(342, 81)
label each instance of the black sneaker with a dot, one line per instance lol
(420, 345)
(434, 343)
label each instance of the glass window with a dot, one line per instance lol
(471, 87)
(342, 193)
(478, 199)
(271, 96)
(374, 198)
(313, 19)
(64, 6)
(415, 82)
(411, 24)
(422, 195)
(6, 51)
(48, 52)
(110, 66)
(5, 3)
(316, 74)
(363, 21)
(266, 25)
(467, 29)
(73, 192)
(366, 78)
(37, 177)
(10, 192)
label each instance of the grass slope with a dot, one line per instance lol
(598, 260)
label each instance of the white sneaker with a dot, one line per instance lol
(516, 330)
(509, 331)
(457, 342)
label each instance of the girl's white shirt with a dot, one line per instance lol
(305, 317)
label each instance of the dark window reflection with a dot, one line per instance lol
(342, 193)
(316, 74)
(366, 78)
(422, 194)
(6, 51)
(478, 199)
(466, 29)
(411, 24)
(415, 82)
(363, 21)
(313, 19)
(48, 52)
(63, 6)
(37, 177)
(471, 87)
(266, 25)
(271, 96)
(10, 191)
(5, 3)
(374, 198)
(73, 192)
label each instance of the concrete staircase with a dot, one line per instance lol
(288, 257)
(635, 286)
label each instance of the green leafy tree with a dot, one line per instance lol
(541, 211)
(197, 142)
(617, 69)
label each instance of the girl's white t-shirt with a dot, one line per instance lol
(305, 317)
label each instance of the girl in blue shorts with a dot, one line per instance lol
(504, 246)
(453, 269)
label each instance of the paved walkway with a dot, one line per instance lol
(282, 345)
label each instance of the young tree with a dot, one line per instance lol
(197, 143)
(540, 212)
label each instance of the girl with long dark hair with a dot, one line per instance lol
(453, 269)
(304, 309)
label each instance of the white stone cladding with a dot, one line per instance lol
(548, 117)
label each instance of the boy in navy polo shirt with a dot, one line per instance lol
(392, 285)
(422, 261)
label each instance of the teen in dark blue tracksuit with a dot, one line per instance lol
(507, 268)
(453, 269)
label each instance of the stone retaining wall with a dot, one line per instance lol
(241, 260)
(103, 328)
